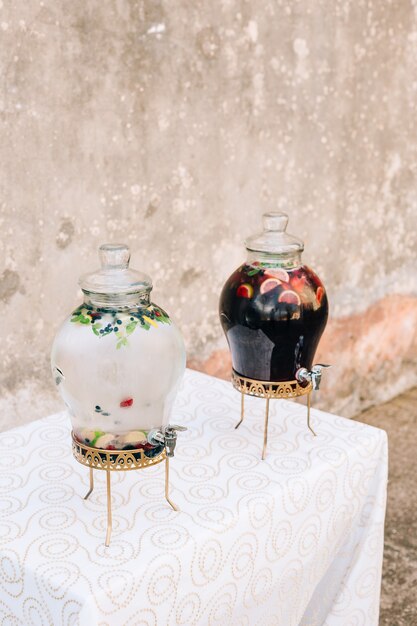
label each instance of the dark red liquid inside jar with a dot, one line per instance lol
(273, 319)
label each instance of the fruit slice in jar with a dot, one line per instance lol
(86, 436)
(269, 284)
(298, 282)
(289, 297)
(104, 441)
(319, 294)
(279, 273)
(245, 291)
(135, 436)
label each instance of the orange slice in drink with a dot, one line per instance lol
(269, 284)
(279, 273)
(289, 297)
(245, 291)
(319, 294)
(298, 282)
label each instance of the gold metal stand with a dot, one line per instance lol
(117, 461)
(268, 390)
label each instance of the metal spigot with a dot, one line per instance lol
(313, 376)
(166, 436)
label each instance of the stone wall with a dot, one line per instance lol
(172, 125)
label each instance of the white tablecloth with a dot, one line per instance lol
(295, 539)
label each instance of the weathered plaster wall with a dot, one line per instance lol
(172, 125)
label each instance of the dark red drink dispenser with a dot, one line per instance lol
(273, 310)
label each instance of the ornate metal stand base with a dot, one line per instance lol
(268, 390)
(116, 461)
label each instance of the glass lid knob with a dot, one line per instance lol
(114, 256)
(274, 239)
(115, 276)
(275, 221)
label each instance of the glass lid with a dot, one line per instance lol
(274, 239)
(115, 276)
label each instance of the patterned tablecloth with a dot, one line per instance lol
(295, 539)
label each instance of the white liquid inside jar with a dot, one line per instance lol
(118, 367)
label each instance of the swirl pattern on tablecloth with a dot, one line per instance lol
(295, 539)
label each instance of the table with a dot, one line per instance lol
(295, 539)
